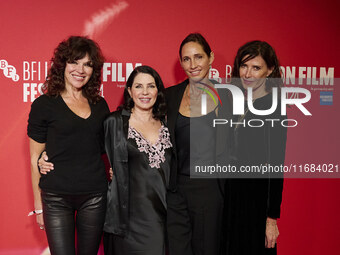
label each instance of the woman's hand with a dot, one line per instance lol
(35, 150)
(44, 166)
(111, 173)
(272, 233)
(40, 221)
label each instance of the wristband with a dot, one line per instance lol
(35, 212)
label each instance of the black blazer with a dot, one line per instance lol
(174, 97)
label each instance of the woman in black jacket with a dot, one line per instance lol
(194, 204)
(253, 202)
(138, 146)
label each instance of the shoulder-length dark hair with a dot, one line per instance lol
(198, 38)
(159, 108)
(253, 49)
(69, 50)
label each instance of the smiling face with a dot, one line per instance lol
(78, 72)
(195, 62)
(254, 72)
(143, 91)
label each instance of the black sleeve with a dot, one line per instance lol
(109, 125)
(277, 145)
(106, 112)
(105, 107)
(38, 120)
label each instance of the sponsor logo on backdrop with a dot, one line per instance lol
(34, 74)
(326, 97)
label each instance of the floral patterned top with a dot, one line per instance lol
(155, 151)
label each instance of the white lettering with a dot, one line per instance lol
(238, 98)
(287, 120)
(32, 89)
(34, 70)
(302, 75)
(106, 71)
(219, 122)
(116, 71)
(297, 101)
(262, 112)
(327, 77)
(228, 70)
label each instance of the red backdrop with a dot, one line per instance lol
(304, 34)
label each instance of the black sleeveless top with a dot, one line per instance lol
(195, 139)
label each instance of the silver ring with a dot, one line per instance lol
(41, 228)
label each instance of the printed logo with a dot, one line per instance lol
(286, 96)
(326, 97)
(204, 99)
(9, 71)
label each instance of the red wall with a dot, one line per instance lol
(304, 34)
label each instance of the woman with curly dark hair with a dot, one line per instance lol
(67, 52)
(67, 122)
(138, 146)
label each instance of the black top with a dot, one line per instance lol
(73, 144)
(147, 205)
(263, 145)
(174, 96)
(195, 140)
(147, 184)
(260, 145)
(249, 201)
(183, 144)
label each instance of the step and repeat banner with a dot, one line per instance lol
(131, 33)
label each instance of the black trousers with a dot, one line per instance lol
(194, 218)
(65, 213)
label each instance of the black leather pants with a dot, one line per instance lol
(65, 213)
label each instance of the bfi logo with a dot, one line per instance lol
(9, 71)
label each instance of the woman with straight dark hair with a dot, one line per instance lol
(194, 204)
(252, 203)
(67, 122)
(138, 146)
